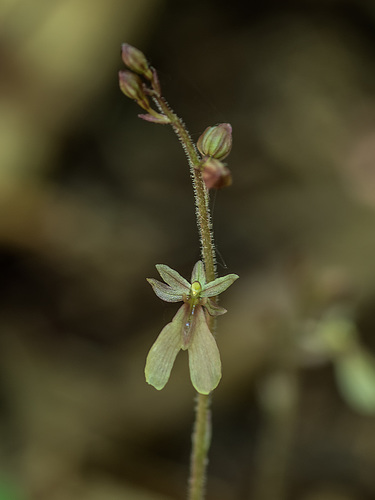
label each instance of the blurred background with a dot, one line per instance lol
(92, 198)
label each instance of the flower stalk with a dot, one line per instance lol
(200, 192)
(201, 437)
(193, 327)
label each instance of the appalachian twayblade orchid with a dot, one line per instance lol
(188, 330)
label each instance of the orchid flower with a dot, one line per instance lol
(188, 330)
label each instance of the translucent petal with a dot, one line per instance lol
(198, 273)
(163, 353)
(204, 356)
(174, 280)
(188, 321)
(218, 286)
(164, 292)
(213, 309)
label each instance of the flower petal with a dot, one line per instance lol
(213, 309)
(204, 356)
(188, 322)
(198, 273)
(173, 279)
(218, 286)
(163, 353)
(164, 292)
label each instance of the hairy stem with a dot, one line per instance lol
(200, 191)
(201, 445)
(202, 426)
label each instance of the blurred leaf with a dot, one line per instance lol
(8, 491)
(355, 374)
(331, 337)
(337, 334)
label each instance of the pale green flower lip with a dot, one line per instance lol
(188, 330)
(204, 356)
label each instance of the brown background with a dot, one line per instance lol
(91, 198)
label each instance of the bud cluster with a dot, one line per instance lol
(132, 85)
(140, 82)
(215, 144)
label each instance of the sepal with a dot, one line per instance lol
(173, 278)
(219, 285)
(164, 292)
(198, 273)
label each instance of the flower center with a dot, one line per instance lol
(195, 290)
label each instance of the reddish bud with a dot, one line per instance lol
(215, 174)
(132, 86)
(216, 141)
(135, 60)
(155, 118)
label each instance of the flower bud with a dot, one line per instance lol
(135, 60)
(132, 86)
(215, 174)
(216, 141)
(155, 117)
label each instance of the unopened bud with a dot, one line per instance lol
(216, 141)
(132, 86)
(215, 174)
(155, 117)
(135, 60)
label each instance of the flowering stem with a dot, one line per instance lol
(140, 82)
(201, 444)
(202, 427)
(200, 191)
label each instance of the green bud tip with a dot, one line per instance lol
(216, 141)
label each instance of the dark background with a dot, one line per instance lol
(91, 198)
